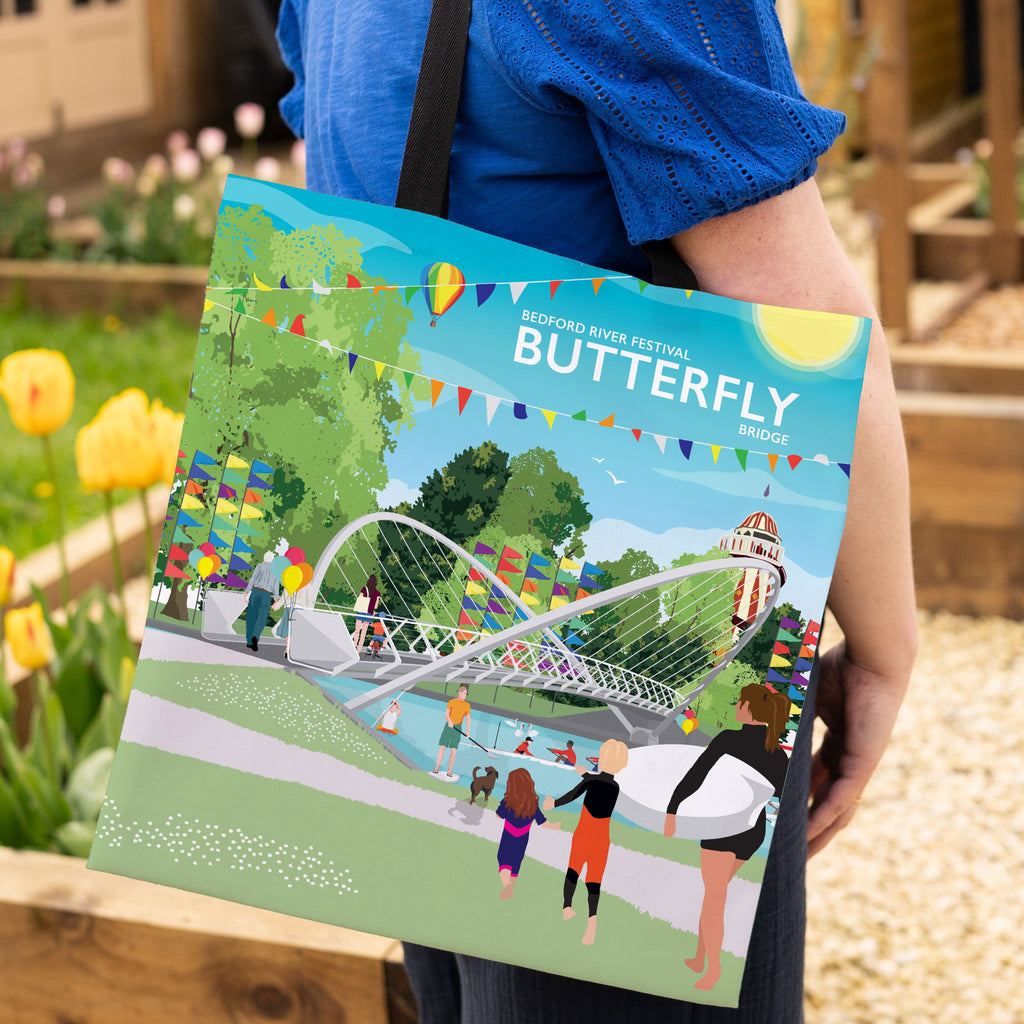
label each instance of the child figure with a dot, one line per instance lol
(378, 637)
(520, 808)
(388, 722)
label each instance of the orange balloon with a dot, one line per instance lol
(689, 724)
(291, 578)
(307, 573)
(204, 566)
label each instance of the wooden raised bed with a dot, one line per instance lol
(85, 947)
(128, 291)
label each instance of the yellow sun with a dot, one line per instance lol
(804, 339)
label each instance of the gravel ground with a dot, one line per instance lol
(915, 910)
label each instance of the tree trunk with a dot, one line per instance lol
(177, 602)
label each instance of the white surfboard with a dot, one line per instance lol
(728, 801)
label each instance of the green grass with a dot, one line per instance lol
(106, 357)
(285, 706)
(294, 849)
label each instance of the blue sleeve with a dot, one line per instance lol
(289, 40)
(538, 817)
(694, 106)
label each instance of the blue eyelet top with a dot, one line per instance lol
(585, 128)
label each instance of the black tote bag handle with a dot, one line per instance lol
(424, 178)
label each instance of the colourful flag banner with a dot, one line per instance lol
(519, 410)
(235, 582)
(529, 599)
(741, 457)
(716, 450)
(794, 460)
(194, 487)
(802, 665)
(492, 402)
(470, 605)
(496, 609)
(180, 534)
(533, 572)
(222, 523)
(483, 293)
(482, 549)
(226, 492)
(247, 530)
(239, 564)
(184, 519)
(251, 495)
(529, 587)
(464, 394)
(202, 459)
(198, 473)
(251, 512)
(177, 554)
(225, 507)
(190, 501)
(780, 662)
(255, 481)
(777, 677)
(173, 572)
(465, 620)
(436, 387)
(261, 467)
(589, 569)
(352, 360)
(489, 622)
(788, 623)
(557, 602)
(219, 542)
(474, 588)
(685, 447)
(234, 462)
(781, 648)
(567, 565)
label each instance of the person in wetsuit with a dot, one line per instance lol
(591, 840)
(762, 714)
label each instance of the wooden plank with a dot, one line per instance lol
(966, 459)
(954, 199)
(887, 115)
(921, 367)
(942, 316)
(98, 949)
(1000, 32)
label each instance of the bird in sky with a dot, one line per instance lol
(615, 479)
(592, 459)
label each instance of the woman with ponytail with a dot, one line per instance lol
(762, 713)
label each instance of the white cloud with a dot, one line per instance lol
(395, 492)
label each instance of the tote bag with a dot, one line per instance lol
(596, 510)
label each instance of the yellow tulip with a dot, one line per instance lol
(6, 575)
(166, 426)
(95, 467)
(29, 636)
(39, 388)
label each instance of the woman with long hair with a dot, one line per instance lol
(521, 809)
(366, 604)
(762, 713)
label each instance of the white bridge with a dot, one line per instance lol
(651, 645)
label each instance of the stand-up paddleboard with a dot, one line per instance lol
(728, 801)
(443, 775)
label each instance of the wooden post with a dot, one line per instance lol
(888, 126)
(1000, 32)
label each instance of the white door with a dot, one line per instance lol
(69, 64)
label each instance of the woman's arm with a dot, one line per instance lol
(784, 252)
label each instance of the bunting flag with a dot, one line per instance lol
(806, 651)
(483, 293)
(781, 648)
(470, 605)
(352, 359)
(490, 622)
(794, 460)
(219, 542)
(261, 467)
(788, 623)
(550, 417)
(411, 291)
(772, 460)
(483, 549)
(568, 565)
(284, 281)
(251, 512)
(379, 367)
(801, 680)
(177, 554)
(222, 523)
(173, 572)
(436, 387)
(239, 564)
(180, 534)
(251, 495)
(190, 501)
(741, 457)
(519, 410)
(247, 530)
(779, 662)
(197, 473)
(802, 665)
(776, 677)
(187, 520)
(464, 394)
(496, 609)
(351, 281)
(554, 287)
(472, 589)
(557, 602)
(529, 599)
(597, 282)
(589, 569)
(785, 635)
(581, 415)
(589, 583)
(255, 481)
(716, 450)
(795, 693)
(529, 587)
(223, 491)
(636, 432)
(608, 421)
(465, 620)
(268, 318)
(659, 440)
(559, 590)
(685, 447)
(408, 375)
(260, 285)
(845, 467)
(492, 407)
(516, 288)
(225, 508)
(533, 572)
(235, 582)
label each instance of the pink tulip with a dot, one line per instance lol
(56, 207)
(186, 165)
(117, 172)
(177, 141)
(267, 168)
(211, 142)
(249, 120)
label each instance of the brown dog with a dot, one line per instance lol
(484, 784)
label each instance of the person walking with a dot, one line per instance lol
(262, 591)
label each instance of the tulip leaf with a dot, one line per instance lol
(44, 801)
(15, 828)
(105, 729)
(88, 784)
(75, 837)
(79, 691)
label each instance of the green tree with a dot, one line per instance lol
(758, 650)
(261, 389)
(543, 500)
(715, 706)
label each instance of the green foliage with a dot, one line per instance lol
(715, 706)
(757, 653)
(543, 500)
(51, 787)
(263, 392)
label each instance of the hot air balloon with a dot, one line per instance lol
(443, 284)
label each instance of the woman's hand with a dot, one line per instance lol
(858, 705)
